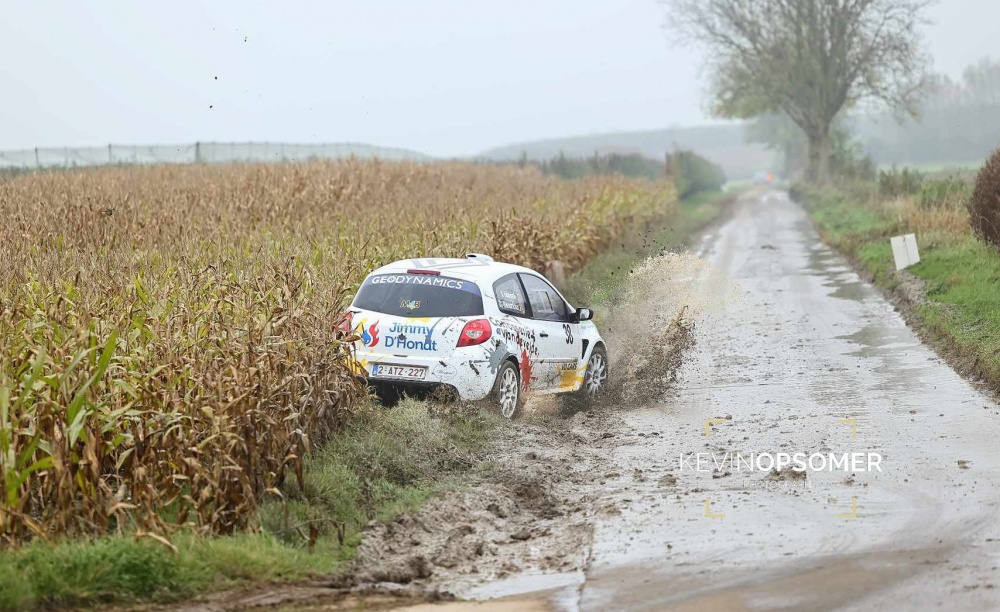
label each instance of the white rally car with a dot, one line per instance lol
(474, 328)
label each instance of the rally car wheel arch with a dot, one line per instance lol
(595, 381)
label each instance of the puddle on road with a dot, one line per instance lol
(901, 372)
(560, 590)
(844, 282)
(877, 340)
(904, 371)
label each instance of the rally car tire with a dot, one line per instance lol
(595, 382)
(507, 393)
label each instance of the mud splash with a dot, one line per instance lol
(651, 324)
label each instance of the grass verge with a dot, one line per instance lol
(957, 307)
(125, 569)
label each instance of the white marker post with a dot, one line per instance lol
(904, 251)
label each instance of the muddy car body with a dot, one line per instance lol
(454, 325)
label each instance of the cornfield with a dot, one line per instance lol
(168, 342)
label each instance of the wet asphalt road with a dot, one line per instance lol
(801, 357)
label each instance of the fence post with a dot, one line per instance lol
(197, 152)
(37, 164)
(111, 158)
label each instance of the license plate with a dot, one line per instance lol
(383, 370)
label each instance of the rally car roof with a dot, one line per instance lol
(473, 267)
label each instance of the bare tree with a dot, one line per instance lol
(982, 82)
(809, 59)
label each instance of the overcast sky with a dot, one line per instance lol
(445, 77)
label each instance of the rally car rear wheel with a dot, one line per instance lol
(507, 390)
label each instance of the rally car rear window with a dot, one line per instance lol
(419, 295)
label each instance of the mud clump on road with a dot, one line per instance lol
(786, 475)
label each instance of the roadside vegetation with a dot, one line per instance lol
(691, 173)
(952, 296)
(171, 372)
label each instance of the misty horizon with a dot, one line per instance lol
(388, 74)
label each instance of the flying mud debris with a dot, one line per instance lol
(652, 324)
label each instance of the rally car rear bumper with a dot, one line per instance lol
(464, 377)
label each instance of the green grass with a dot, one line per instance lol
(961, 314)
(937, 168)
(845, 223)
(123, 569)
(385, 463)
(963, 309)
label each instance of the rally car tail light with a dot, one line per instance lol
(475, 332)
(426, 272)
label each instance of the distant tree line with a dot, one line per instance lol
(691, 172)
(958, 121)
(634, 165)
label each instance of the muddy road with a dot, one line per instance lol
(807, 358)
(793, 353)
(667, 500)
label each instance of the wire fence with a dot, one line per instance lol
(199, 152)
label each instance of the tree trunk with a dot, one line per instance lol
(789, 168)
(819, 156)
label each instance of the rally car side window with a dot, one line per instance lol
(545, 302)
(510, 296)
